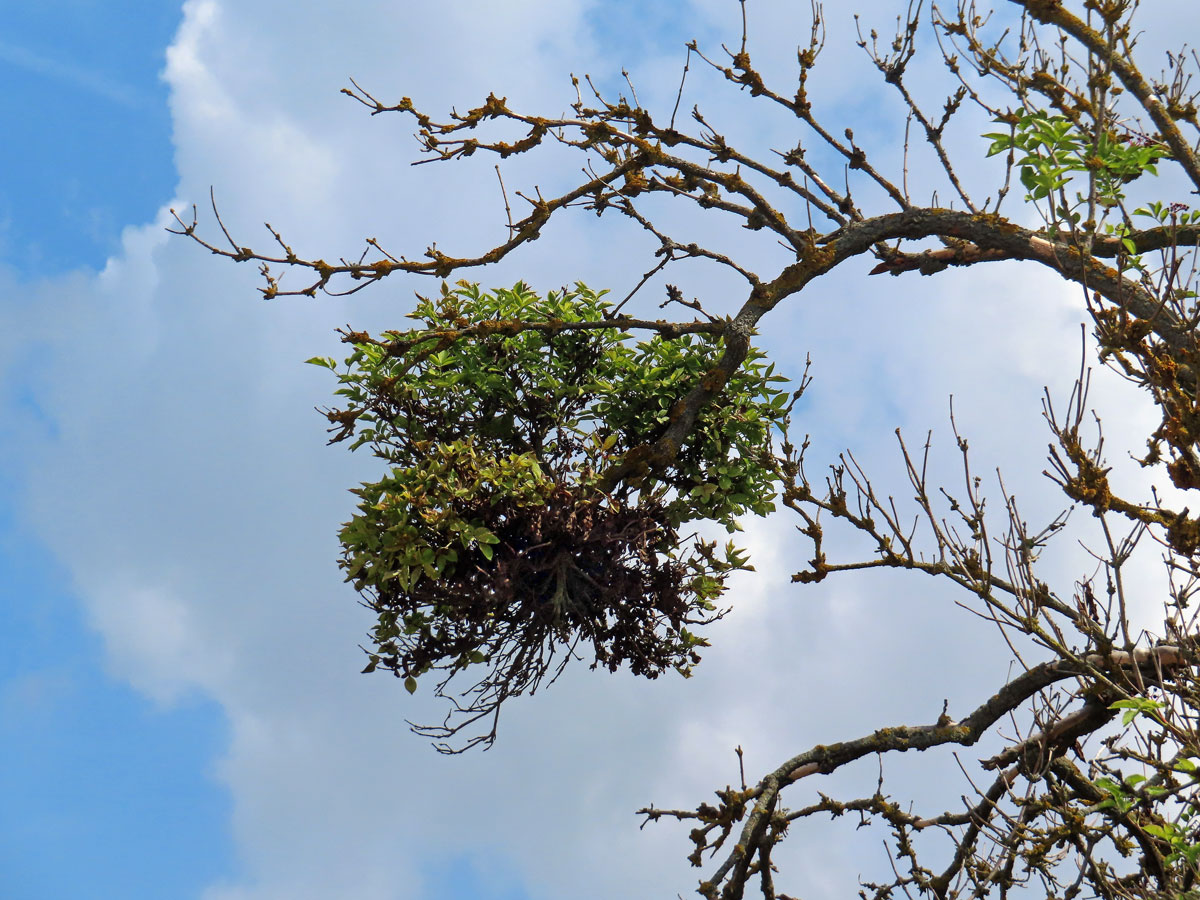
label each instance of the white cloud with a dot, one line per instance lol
(189, 491)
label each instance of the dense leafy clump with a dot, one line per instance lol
(1056, 152)
(493, 540)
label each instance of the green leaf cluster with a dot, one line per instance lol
(492, 540)
(1180, 834)
(1051, 150)
(1137, 706)
(528, 391)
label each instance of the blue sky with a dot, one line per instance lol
(181, 710)
(87, 143)
(105, 793)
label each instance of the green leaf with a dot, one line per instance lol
(1136, 706)
(410, 684)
